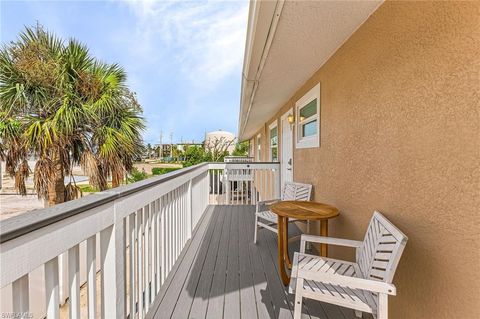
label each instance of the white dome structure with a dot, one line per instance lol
(220, 140)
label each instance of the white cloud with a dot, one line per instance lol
(207, 38)
(193, 48)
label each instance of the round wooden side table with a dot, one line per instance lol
(301, 210)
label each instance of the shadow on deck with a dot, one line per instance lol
(223, 274)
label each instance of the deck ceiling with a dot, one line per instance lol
(307, 34)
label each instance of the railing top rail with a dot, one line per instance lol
(22, 224)
(248, 163)
(17, 226)
(238, 156)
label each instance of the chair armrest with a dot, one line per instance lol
(351, 282)
(331, 241)
(266, 202)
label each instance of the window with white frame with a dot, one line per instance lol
(273, 141)
(308, 119)
(259, 147)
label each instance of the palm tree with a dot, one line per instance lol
(118, 137)
(60, 104)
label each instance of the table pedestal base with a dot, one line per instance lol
(283, 258)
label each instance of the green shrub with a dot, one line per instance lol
(136, 175)
(88, 188)
(163, 170)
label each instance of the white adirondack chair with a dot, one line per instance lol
(363, 285)
(268, 220)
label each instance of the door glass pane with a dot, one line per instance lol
(274, 136)
(308, 110)
(275, 154)
(309, 129)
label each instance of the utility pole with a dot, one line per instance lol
(171, 144)
(160, 153)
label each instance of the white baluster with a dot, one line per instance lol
(163, 237)
(52, 300)
(147, 256)
(112, 250)
(92, 277)
(63, 277)
(153, 250)
(74, 282)
(174, 227)
(169, 232)
(188, 209)
(140, 261)
(133, 261)
(20, 295)
(208, 186)
(159, 243)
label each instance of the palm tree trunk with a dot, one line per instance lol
(115, 181)
(56, 185)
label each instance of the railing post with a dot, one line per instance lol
(209, 179)
(227, 182)
(112, 248)
(189, 210)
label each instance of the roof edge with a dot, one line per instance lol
(263, 17)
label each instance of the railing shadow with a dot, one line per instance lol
(227, 261)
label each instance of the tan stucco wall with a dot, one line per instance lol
(400, 128)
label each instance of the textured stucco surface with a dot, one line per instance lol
(400, 133)
(289, 63)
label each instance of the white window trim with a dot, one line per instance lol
(270, 127)
(314, 140)
(251, 148)
(258, 150)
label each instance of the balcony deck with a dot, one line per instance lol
(221, 273)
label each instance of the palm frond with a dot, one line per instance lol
(43, 172)
(72, 192)
(20, 176)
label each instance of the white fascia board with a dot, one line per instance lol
(262, 19)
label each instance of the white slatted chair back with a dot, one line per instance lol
(296, 191)
(381, 250)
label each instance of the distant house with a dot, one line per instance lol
(167, 150)
(184, 146)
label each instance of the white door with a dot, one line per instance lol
(287, 149)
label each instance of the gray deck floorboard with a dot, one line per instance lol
(221, 273)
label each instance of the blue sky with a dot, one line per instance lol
(183, 59)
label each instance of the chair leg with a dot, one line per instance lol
(256, 229)
(382, 306)
(358, 314)
(297, 310)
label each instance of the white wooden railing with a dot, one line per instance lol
(238, 159)
(107, 255)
